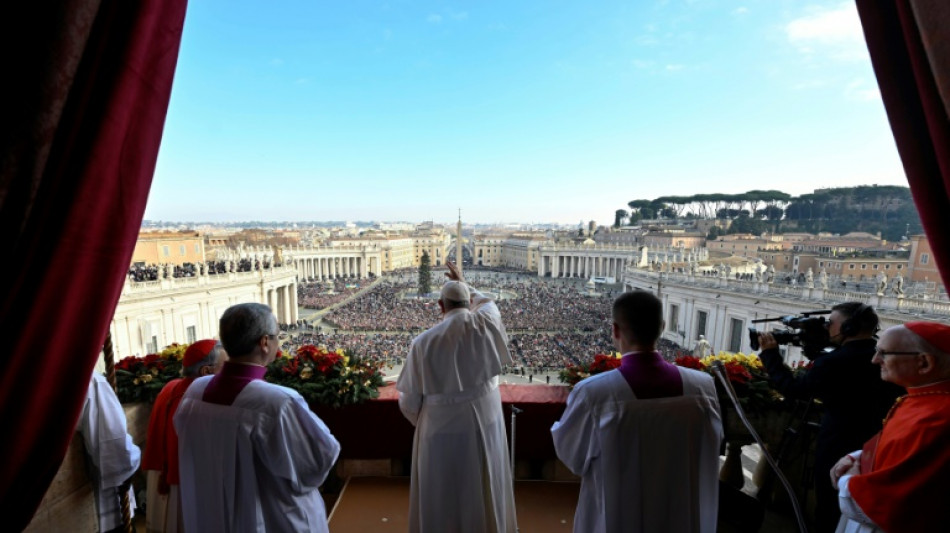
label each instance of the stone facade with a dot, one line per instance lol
(153, 314)
(723, 309)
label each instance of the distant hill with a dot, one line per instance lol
(885, 209)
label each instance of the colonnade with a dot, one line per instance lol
(331, 267)
(581, 266)
(283, 301)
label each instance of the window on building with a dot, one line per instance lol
(735, 335)
(701, 317)
(152, 345)
(864, 266)
(191, 334)
(197, 248)
(674, 318)
(874, 266)
(851, 266)
(166, 251)
(181, 249)
(924, 259)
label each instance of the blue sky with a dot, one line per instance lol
(513, 111)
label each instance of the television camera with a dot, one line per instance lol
(807, 330)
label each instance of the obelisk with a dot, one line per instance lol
(458, 243)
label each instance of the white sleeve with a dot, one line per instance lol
(849, 507)
(409, 387)
(575, 435)
(298, 446)
(105, 435)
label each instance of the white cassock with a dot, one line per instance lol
(109, 447)
(448, 389)
(254, 465)
(646, 465)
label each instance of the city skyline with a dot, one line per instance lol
(521, 113)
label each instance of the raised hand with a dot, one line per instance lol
(453, 273)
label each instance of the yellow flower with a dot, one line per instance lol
(154, 371)
(135, 381)
(306, 373)
(146, 378)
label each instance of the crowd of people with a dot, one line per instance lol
(320, 295)
(153, 272)
(526, 305)
(551, 323)
(388, 348)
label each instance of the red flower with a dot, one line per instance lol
(688, 361)
(738, 373)
(309, 352)
(292, 366)
(603, 363)
(327, 361)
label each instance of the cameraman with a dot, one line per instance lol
(854, 397)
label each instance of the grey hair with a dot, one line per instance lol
(242, 326)
(209, 360)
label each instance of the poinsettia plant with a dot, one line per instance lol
(572, 374)
(324, 377)
(746, 374)
(140, 379)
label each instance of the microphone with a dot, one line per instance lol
(515, 410)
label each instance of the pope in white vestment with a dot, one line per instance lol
(461, 476)
(647, 465)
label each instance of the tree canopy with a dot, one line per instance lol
(887, 209)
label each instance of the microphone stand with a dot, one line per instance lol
(514, 413)
(720, 370)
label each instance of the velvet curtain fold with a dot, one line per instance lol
(910, 52)
(81, 129)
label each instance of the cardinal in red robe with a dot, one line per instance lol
(900, 480)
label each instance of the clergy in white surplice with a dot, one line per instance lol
(252, 455)
(113, 458)
(461, 476)
(645, 437)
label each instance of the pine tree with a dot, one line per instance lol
(425, 274)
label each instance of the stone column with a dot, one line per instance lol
(293, 302)
(288, 304)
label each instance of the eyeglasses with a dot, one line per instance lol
(884, 353)
(268, 335)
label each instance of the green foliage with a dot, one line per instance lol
(619, 217)
(140, 379)
(322, 377)
(887, 209)
(425, 274)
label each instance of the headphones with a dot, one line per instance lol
(857, 322)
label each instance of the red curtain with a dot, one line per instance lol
(87, 90)
(910, 52)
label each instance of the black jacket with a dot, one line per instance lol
(854, 397)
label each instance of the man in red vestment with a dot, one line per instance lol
(901, 479)
(161, 451)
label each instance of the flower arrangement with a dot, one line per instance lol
(322, 377)
(572, 374)
(746, 374)
(325, 377)
(140, 379)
